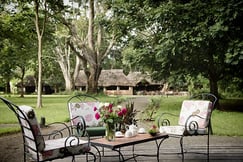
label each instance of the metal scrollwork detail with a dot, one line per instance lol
(193, 127)
(165, 122)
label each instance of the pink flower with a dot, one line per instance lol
(110, 110)
(120, 113)
(97, 116)
(124, 111)
(110, 106)
(95, 108)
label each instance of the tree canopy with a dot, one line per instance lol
(175, 40)
(189, 37)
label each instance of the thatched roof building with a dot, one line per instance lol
(143, 83)
(114, 81)
(113, 77)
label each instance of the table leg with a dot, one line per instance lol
(121, 157)
(158, 147)
(98, 151)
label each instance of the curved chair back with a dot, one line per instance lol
(33, 141)
(83, 105)
(206, 96)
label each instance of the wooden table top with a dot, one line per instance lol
(127, 141)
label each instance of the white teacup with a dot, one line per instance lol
(128, 133)
(141, 130)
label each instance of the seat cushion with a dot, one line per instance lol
(95, 131)
(180, 130)
(56, 148)
(176, 130)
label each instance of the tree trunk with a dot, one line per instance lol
(39, 89)
(65, 65)
(22, 82)
(93, 79)
(8, 89)
(68, 83)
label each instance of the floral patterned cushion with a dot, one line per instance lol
(196, 107)
(29, 113)
(85, 109)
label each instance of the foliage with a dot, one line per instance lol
(151, 109)
(16, 48)
(129, 117)
(188, 38)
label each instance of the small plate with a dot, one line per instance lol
(119, 136)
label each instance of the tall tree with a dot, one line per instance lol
(65, 58)
(40, 28)
(95, 46)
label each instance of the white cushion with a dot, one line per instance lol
(177, 130)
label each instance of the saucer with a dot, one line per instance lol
(119, 135)
(141, 131)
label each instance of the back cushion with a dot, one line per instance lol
(29, 115)
(196, 107)
(85, 109)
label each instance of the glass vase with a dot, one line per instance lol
(110, 131)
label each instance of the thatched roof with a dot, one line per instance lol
(138, 77)
(113, 77)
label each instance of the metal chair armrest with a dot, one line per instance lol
(60, 130)
(191, 126)
(164, 121)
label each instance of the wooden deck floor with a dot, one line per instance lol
(222, 149)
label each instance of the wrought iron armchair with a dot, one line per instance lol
(83, 105)
(194, 119)
(56, 145)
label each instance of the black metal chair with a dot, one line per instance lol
(194, 119)
(46, 147)
(82, 105)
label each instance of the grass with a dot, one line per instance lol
(54, 109)
(227, 123)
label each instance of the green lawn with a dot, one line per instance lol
(55, 109)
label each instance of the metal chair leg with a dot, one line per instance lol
(182, 149)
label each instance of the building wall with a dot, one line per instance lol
(118, 91)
